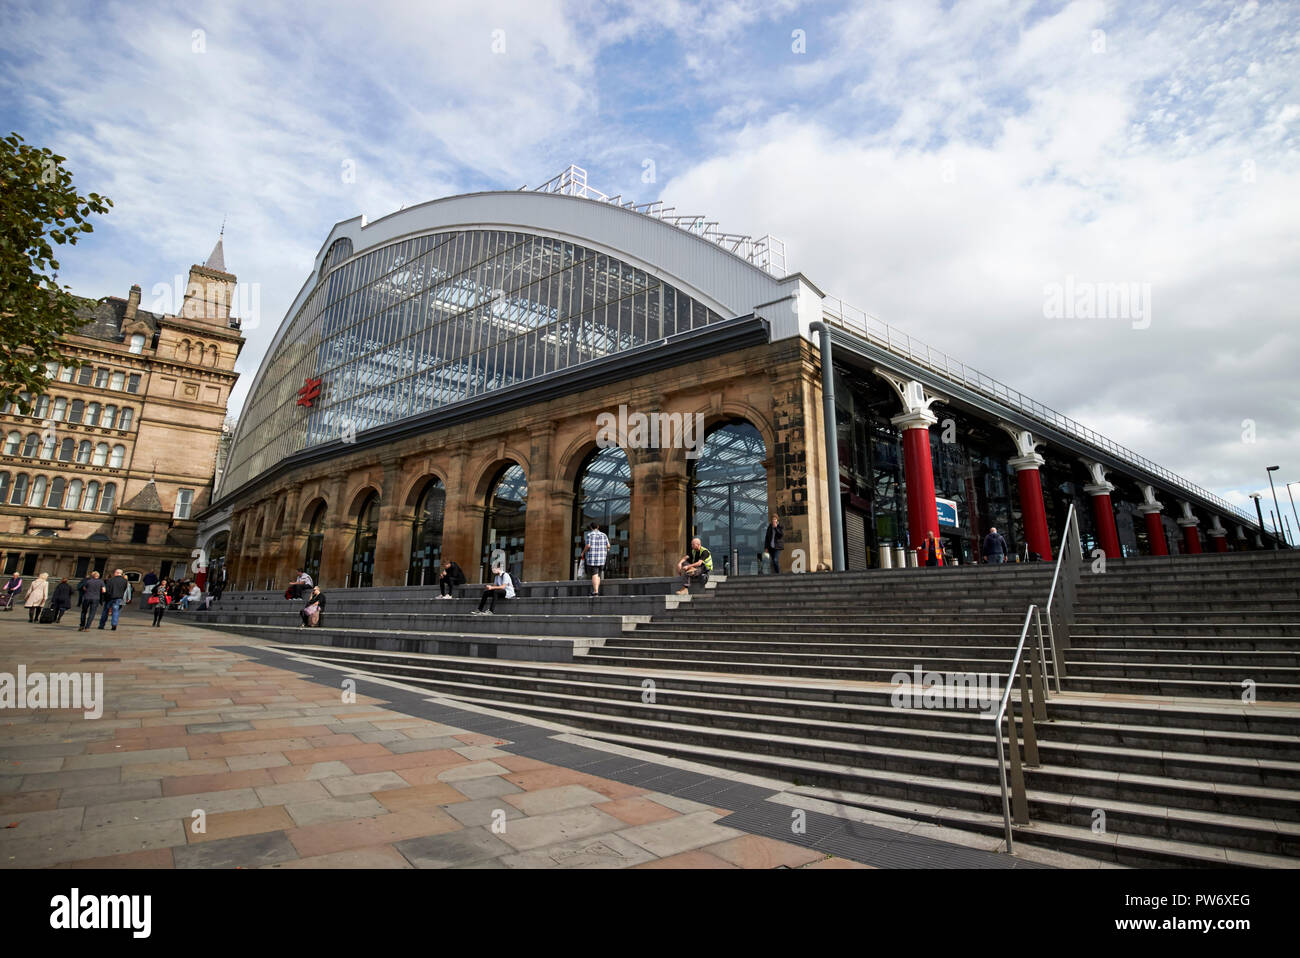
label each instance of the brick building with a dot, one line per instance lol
(444, 384)
(115, 461)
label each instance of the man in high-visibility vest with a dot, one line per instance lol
(695, 565)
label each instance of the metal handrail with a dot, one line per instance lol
(1029, 709)
(1071, 546)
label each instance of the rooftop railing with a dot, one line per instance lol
(895, 341)
(766, 252)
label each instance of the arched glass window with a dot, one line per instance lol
(57, 489)
(101, 454)
(12, 442)
(37, 499)
(604, 496)
(48, 446)
(118, 457)
(110, 417)
(78, 410)
(503, 521)
(42, 408)
(4, 487)
(106, 500)
(426, 534)
(315, 543)
(728, 496)
(363, 543)
(101, 377)
(60, 408)
(32, 444)
(125, 419)
(91, 501)
(117, 381)
(92, 414)
(66, 374)
(20, 490)
(83, 452)
(84, 375)
(74, 494)
(339, 250)
(66, 450)
(137, 343)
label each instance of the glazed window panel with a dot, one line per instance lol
(448, 315)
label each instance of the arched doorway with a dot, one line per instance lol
(218, 546)
(727, 497)
(503, 520)
(426, 534)
(604, 496)
(315, 547)
(363, 543)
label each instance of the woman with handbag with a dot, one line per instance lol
(311, 612)
(159, 601)
(36, 596)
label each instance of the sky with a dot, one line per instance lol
(950, 168)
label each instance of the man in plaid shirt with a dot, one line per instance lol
(595, 550)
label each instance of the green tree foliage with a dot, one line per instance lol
(39, 210)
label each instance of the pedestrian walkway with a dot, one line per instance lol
(215, 752)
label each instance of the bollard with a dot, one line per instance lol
(900, 557)
(886, 558)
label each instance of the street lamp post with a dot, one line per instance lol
(1278, 513)
(1263, 530)
(1293, 509)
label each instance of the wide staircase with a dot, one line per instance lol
(1175, 739)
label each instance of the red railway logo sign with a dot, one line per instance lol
(309, 392)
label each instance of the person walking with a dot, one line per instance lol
(451, 576)
(696, 564)
(11, 590)
(159, 601)
(774, 542)
(92, 593)
(115, 590)
(37, 594)
(931, 550)
(502, 587)
(218, 584)
(595, 552)
(62, 599)
(995, 547)
(314, 609)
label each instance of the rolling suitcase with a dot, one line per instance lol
(47, 615)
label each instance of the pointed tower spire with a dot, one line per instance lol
(218, 258)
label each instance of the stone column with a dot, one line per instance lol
(1103, 511)
(393, 544)
(918, 465)
(1150, 510)
(1033, 513)
(1189, 523)
(1219, 535)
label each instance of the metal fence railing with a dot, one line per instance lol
(863, 324)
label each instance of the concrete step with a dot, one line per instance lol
(1209, 812)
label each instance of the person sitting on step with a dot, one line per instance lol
(451, 576)
(501, 587)
(694, 566)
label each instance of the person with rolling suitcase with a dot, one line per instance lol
(62, 600)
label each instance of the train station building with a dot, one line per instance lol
(484, 375)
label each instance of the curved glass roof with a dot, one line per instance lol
(436, 319)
